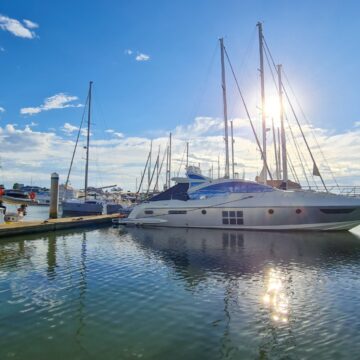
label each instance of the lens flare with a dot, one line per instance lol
(275, 297)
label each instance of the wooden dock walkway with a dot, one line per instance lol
(31, 227)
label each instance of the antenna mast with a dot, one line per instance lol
(88, 143)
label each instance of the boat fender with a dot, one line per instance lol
(32, 195)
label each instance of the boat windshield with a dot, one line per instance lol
(224, 188)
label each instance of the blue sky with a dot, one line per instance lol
(171, 75)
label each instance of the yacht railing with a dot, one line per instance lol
(349, 190)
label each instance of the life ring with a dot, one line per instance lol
(32, 195)
(2, 192)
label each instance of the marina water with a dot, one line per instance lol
(116, 293)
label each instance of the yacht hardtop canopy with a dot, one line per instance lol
(227, 186)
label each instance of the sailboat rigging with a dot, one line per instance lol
(226, 203)
(83, 206)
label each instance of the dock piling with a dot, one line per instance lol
(54, 196)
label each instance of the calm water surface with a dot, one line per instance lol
(180, 294)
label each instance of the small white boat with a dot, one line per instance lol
(13, 217)
(18, 197)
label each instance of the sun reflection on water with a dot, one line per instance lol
(275, 297)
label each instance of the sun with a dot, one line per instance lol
(272, 110)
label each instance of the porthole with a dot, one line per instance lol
(298, 211)
(270, 211)
(203, 212)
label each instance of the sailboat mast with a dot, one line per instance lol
(167, 167)
(88, 143)
(283, 137)
(277, 174)
(218, 167)
(262, 84)
(156, 188)
(149, 168)
(232, 149)
(187, 155)
(169, 161)
(279, 152)
(223, 85)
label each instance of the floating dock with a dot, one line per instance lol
(32, 227)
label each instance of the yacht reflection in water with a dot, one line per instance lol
(265, 280)
(246, 252)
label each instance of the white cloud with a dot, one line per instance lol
(68, 128)
(30, 111)
(2, 109)
(16, 28)
(58, 101)
(32, 124)
(142, 57)
(84, 132)
(119, 135)
(2, 49)
(41, 152)
(357, 123)
(30, 24)
(139, 56)
(114, 133)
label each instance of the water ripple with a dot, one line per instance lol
(174, 293)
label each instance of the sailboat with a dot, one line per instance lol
(240, 204)
(84, 206)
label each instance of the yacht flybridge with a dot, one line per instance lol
(229, 203)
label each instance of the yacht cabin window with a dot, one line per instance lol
(228, 187)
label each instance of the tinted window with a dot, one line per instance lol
(229, 187)
(337, 211)
(232, 217)
(177, 212)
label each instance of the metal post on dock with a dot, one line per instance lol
(54, 196)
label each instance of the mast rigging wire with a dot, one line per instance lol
(297, 119)
(76, 143)
(311, 130)
(298, 149)
(247, 112)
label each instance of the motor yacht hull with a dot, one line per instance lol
(284, 211)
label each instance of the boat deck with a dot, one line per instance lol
(31, 227)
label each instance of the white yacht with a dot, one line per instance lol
(241, 204)
(199, 202)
